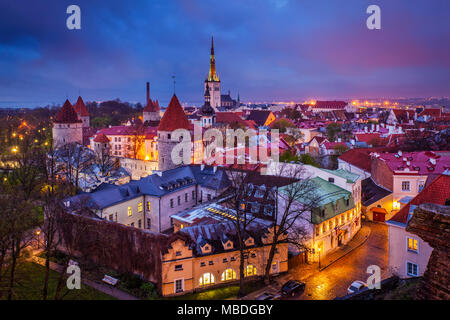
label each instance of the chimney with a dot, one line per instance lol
(148, 92)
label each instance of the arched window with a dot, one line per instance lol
(206, 279)
(228, 274)
(250, 270)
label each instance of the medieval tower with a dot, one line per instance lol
(67, 127)
(174, 118)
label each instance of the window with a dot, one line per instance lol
(178, 267)
(179, 200)
(193, 194)
(405, 185)
(179, 285)
(178, 253)
(111, 217)
(233, 259)
(225, 260)
(140, 207)
(228, 274)
(202, 264)
(130, 211)
(250, 270)
(149, 206)
(206, 279)
(322, 213)
(139, 223)
(421, 185)
(148, 223)
(211, 263)
(209, 197)
(331, 180)
(171, 203)
(185, 197)
(132, 224)
(253, 255)
(412, 269)
(413, 245)
(347, 202)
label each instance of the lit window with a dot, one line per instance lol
(206, 279)
(130, 211)
(412, 245)
(228, 274)
(250, 270)
(140, 207)
(149, 206)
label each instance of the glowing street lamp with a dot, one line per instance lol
(15, 149)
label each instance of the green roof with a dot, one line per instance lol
(349, 176)
(330, 196)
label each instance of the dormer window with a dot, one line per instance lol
(249, 242)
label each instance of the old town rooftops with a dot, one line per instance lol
(422, 163)
(156, 185)
(221, 232)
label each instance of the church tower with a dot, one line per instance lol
(174, 118)
(151, 110)
(212, 82)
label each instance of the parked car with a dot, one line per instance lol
(292, 287)
(267, 296)
(356, 286)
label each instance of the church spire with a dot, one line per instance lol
(212, 76)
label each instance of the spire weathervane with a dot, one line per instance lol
(173, 77)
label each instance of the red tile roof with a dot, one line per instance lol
(174, 117)
(432, 112)
(437, 192)
(358, 157)
(102, 138)
(367, 137)
(80, 108)
(329, 105)
(67, 114)
(418, 161)
(332, 145)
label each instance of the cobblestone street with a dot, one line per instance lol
(334, 280)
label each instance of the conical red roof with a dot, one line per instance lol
(80, 108)
(174, 117)
(152, 106)
(67, 114)
(102, 138)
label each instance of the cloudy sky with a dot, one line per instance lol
(265, 49)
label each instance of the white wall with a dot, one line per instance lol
(399, 254)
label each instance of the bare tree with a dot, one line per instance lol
(52, 195)
(105, 161)
(75, 159)
(238, 200)
(294, 203)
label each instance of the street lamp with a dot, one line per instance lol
(38, 232)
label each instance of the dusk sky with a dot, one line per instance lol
(265, 50)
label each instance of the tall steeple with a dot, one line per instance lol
(212, 76)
